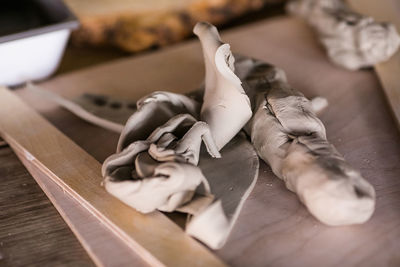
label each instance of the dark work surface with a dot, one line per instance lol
(32, 233)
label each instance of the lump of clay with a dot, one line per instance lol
(226, 107)
(351, 40)
(158, 172)
(287, 134)
(153, 110)
(146, 184)
(158, 150)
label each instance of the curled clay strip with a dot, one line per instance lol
(226, 107)
(75, 109)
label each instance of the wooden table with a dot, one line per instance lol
(274, 229)
(32, 232)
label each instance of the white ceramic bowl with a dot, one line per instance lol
(34, 53)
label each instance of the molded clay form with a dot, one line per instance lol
(161, 172)
(351, 40)
(160, 163)
(226, 107)
(155, 166)
(288, 136)
(148, 182)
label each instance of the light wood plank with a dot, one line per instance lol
(102, 245)
(154, 237)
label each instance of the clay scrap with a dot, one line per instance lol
(351, 40)
(289, 136)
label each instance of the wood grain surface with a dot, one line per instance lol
(154, 237)
(32, 233)
(274, 228)
(105, 248)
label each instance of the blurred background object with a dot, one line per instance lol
(33, 35)
(136, 25)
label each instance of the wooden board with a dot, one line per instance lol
(154, 237)
(274, 228)
(388, 72)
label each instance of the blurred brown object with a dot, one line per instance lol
(3, 143)
(135, 25)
